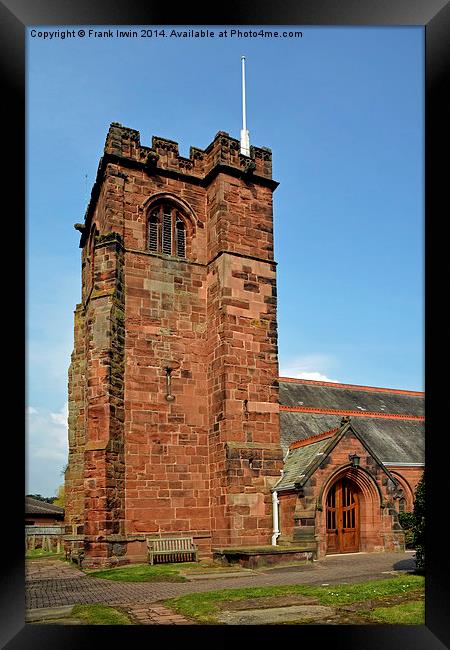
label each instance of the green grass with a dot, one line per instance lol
(99, 615)
(145, 572)
(38, 552)
(203, 607)
(410, 613)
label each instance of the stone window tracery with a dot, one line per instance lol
(166, 231)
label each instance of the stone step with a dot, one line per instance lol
(242, 573)
(34, 615)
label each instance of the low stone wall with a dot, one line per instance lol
(47, 538)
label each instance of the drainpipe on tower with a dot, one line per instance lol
(275, 503)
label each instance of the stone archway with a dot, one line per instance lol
(342, 517)
(352, 508)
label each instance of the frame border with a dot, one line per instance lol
(434, 15)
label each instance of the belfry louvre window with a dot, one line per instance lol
(166, 231)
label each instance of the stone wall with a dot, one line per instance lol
(104, 480)
(74, 473)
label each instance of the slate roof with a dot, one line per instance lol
(299, 460)
(321, 395)
(391, 428)
(42, 508)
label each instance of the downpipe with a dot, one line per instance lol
(276, 532)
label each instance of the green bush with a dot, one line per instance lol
(419, 524)
(406, 520)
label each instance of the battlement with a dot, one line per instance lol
(164, 155)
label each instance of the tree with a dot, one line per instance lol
(39, 497)
(60, 499)
(419, 524)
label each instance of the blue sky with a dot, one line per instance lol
(342, 110)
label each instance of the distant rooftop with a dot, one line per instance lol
(37, 507)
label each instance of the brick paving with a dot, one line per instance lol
(154, 615)
(52, 583)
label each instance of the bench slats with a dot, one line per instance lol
(171, 549)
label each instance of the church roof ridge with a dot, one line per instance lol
(371, 414)
(311, 439)
(333, 384)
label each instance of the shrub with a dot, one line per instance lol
(419, 524)
(406, 520)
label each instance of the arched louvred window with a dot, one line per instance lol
(166, 231)
(402, 505)
(180, 234)
(153, 232)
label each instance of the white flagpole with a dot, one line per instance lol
(245, 138)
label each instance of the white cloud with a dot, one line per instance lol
(314, 366)
(61, 417)
(47, 435)
(315, 376)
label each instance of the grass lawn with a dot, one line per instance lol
(99, 615)
(144, 572)
(170, 572)
(203, 607)
(38, 553)
(409, 613)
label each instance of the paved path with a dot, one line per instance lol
(154, 615)
(52, 583)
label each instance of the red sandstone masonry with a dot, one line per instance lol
(153, 466)
(243, 362)
(74, 474)
(408, 477)
(104, 460)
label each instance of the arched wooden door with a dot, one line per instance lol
(342, 518)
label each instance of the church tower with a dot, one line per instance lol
(173, 382)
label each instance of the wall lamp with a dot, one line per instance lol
(354, 459)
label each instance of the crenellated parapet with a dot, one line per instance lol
(164, 155)
(122, 141)
(123, 150)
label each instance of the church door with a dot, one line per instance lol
(342, 518)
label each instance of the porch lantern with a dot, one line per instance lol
(354, 459)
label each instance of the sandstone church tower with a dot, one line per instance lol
(173, 383)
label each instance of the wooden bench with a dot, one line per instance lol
(171, 549)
